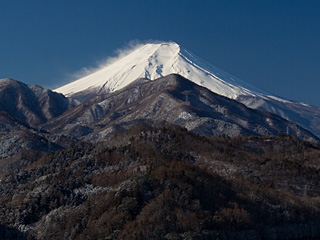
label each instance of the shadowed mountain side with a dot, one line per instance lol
(173, 99)
(7, 232)
(31, 104)
(20, 144)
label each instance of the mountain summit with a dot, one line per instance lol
(154, 60)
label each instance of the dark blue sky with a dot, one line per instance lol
(274, 45)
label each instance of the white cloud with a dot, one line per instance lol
(118, 54)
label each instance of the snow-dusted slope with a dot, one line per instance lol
(31, 104)
(156, 60)
(173, 99)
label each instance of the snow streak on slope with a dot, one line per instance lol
(156, 60)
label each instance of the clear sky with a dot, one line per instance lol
(273, 45)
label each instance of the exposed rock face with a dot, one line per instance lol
(31, 104)
(173, 99)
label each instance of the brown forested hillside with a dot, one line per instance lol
(166, 183)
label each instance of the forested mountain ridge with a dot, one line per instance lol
(166, 183)
(173, 99)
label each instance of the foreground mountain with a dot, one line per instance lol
(157, 60)
(166, 183)
(173, 99)
(22, 109)
(20, 144)
(31, 104)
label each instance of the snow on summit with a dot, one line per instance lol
(154, 60)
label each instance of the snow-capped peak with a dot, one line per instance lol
(154, 60)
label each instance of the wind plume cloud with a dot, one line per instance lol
(130, 47)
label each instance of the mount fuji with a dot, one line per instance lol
(154, 60)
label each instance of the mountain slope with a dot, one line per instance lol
(22, 109)
(156, 60)
(31, 104)
(166, 183)
(173, 99)
(305, 115)
(153, 61)
(20, 144)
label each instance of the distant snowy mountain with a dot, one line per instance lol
(156, 60)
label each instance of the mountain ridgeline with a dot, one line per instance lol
(173, 99)
(157, 145)
(155, 60)
(37, 120)
(31, 104)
